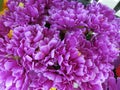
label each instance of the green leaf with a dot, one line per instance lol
(85, 2)
(117, 7)
(1, 5)
(89, 35)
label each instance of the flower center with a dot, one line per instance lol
(79, 53)
(13, 57)
(10, 34)
(16, 57)
(81, 27)
(21, 4)
(53, 88)
(3, 6)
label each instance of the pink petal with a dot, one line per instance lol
(50, 76)
(45, 49)
(18, 83)
(28, 58)
(80, 59)
(53, 53)
(39, 56)
(38, 36)
(60, 60)
(58, 78)
(69, 68)
(118, 84)
(8, 65)
(9, 82)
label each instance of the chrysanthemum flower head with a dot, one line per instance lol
(57, 45)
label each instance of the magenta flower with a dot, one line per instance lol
(114, 84)
(11, 75)
(3, 29)
(58, 45)
(68, 15)
(75, 61)
(31, 45)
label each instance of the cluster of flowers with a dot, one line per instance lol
(58, 45)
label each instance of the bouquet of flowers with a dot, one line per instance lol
(58, 45)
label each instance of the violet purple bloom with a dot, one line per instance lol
(58, 45)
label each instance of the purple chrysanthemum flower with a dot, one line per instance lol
(12, 75)
(114, 84)
(57, 45)
(3, 30)
(100, 9)
(68, 15)
(28, 48)
(25, 12)
(77, 62)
